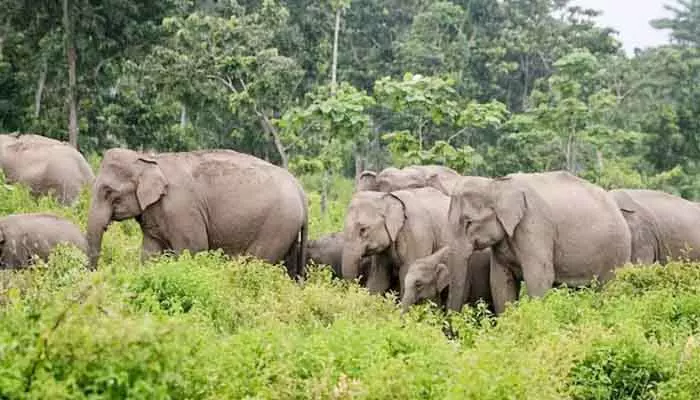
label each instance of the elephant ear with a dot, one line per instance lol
(434, 180)
(441, 255)
(443, 276)
(367, 181)
(510, 205)
(152, 184)
(394, 215)
(625, 203)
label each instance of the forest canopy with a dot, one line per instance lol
(485, 87)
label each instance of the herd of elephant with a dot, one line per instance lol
(429, 233)
(425, 232)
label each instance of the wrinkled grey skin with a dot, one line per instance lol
(411, 177)
(25, 236)
(201, 200)
(428, 279)
(662, 226)
(395, 229)
(45, 165)
(543, 228)
(328, 250)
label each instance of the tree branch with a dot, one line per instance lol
(227, 82)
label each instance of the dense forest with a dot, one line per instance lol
(486, 87)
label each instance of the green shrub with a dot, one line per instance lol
(210, 326)
(619, 369)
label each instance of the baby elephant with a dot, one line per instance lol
(428, 279)
(23, 236)
(328, 250)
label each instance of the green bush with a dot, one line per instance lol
(210, 326)
(619, 369)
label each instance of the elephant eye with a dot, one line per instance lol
(363, 230)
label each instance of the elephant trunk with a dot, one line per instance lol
(98, 219)
(459, 270)
(352, 257)
(408, 299)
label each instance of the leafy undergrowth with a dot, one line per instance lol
(208, 326)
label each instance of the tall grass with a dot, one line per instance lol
(206, 326)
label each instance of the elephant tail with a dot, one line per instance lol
(295, 259)
(301, 252)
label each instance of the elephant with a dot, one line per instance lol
(328, 250)
(545, 229)
(411, 177)
(662, 226)
(394, 229)
(45, 165)
(202, 200)
(25, 236)
(428, 278)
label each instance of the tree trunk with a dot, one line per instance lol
(40, 87)
(359, 164)
(272, 131)
(72, 79)
(183, 116)
(324, 191)
(334, 84)
(571, 153)
(334, 65)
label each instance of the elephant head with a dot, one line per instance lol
(367, 181)
(127, 184)
(426, 278)
(482, 213)
(372, 224)
(412, 177)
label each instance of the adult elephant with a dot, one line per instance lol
(395, 229)
(543, 228)
(201, 200)
(45, 165)
(428, 278)
(662, 226)
(25, 236)
(411, 177)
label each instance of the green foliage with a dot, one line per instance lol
(340, 192)
(209, 326)
(485, 87)
(325, 130)
(618, 370)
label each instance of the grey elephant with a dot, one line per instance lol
(411, 177)
(428, 278)
(328, 250)
(394, 229)
(662, 226)
(25, 236)
(543, 228)
(202, 200)
(45, 165)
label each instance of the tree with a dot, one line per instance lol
(684, 24)
(326, 129)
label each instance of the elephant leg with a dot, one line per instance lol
(504, 288)
(192, 237)
(150, 247)
(538, 275)
(276, 241)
